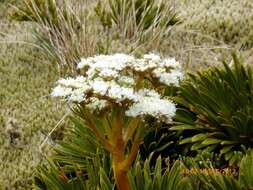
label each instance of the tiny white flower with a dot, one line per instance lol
(121, 93)
(126, 81)
(108, 73)
(170, 62)
(99, 87)
(152, 57)
(96, 104)
(148, 93)
(161, 109)
(172, 78)
(84, 63)
(60, 91)
(77, 95)
(72, 82)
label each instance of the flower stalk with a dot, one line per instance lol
(121, 162)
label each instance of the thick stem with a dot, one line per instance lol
(120, 175)
(132, 155)
(118, 154)
(122, 180)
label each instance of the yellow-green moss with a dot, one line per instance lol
(27, 113)
(229, 20)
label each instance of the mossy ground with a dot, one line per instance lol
(27, 113)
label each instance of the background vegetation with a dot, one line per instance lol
(27, 114)
(208, 32)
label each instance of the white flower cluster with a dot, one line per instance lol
(115, 79)
(161, 109)
(151, 104)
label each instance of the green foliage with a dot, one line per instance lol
(246, 171)
(158, 177)
(144, 12)
(217, 181)
(142, 176)
(80, 148)
(79, 162)
(136, 21)
(226, 179)
(53, 177)
(76, 165)
(217, 106)
(161, 142)
(36, 10)
(45, 12)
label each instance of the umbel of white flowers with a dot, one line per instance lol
(125, 81)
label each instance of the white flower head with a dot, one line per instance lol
(73, 89)
(96, 104)
(72, 82)
(170, 63)
(173, 77)
(100, 87)
(148, 93)
(152, 57)
(61, 91)
(85, 63)
(77, 95)
(123, 80)
(108, 73)
(161, 109)
(121, 94)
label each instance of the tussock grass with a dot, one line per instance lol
(63, 31)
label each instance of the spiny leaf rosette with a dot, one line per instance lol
(115, 94)
(216, 106)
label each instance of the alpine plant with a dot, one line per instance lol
(115, 94)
